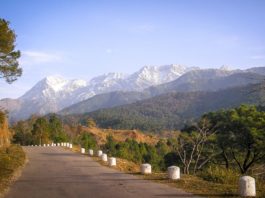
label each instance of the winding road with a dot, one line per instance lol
(54, 172)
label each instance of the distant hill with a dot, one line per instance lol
(102, 101)
(210, 80)
(174, 110)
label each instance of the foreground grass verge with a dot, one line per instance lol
(189, 183)
(11, 159)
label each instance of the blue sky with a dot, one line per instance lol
(83, 38)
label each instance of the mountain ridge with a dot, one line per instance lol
(53, 94)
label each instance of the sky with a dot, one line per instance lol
(82, 39)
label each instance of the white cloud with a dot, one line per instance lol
(258, 57)
(37, 57)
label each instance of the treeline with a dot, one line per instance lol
(50, 128)
(39, 130)
(160, 155)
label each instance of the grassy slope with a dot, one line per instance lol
(121, 135)
(11, 159)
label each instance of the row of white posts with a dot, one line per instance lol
(66, 144)
(247, 186)
(104, 157)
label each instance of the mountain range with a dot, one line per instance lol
(56, 94)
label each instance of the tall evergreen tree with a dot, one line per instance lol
(9, 66)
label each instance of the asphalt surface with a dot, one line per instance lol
(53, 172)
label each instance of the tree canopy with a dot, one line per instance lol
(240, 135)
(9, 66)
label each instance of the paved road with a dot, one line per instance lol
(53, 172)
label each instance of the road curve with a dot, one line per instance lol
(53, 172)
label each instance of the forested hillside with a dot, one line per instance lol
(174, 110)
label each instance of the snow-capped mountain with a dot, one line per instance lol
(53, 89)
(54, 93)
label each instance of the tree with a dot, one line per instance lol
(241, 135)
(40, 131)
(4, 130)
(87, 141)
(91, 123)
(56, 130)
(110, 145)
(196, 147)
(9, 66)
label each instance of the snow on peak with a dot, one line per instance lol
(55, 92)
(155, 75)
(225, 68)
(57, 83)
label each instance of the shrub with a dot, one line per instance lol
(219, 174)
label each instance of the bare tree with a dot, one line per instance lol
(194, 148)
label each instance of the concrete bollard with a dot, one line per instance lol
(48, 144)
(99, 153)
(247, 186)
(44, 145)
(104, 157)
(173, 172)
(146, 169)
(70, 146)
(112, 161)
(67, 144)
(83, 150)
(90, 152)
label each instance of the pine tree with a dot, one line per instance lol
(9, 67)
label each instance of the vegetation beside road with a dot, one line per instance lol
(217, 149)
(11, 159)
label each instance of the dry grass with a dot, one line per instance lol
(12, 158)
(121, 135)
(122, 165)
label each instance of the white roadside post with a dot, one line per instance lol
(99, 153)
(83, 150)
(146, 169)
(112, 161)
(247, 186)
(104, 157)
(70, 146)
(173, 172)
(90, 152)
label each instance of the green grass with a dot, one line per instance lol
(11, 158)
